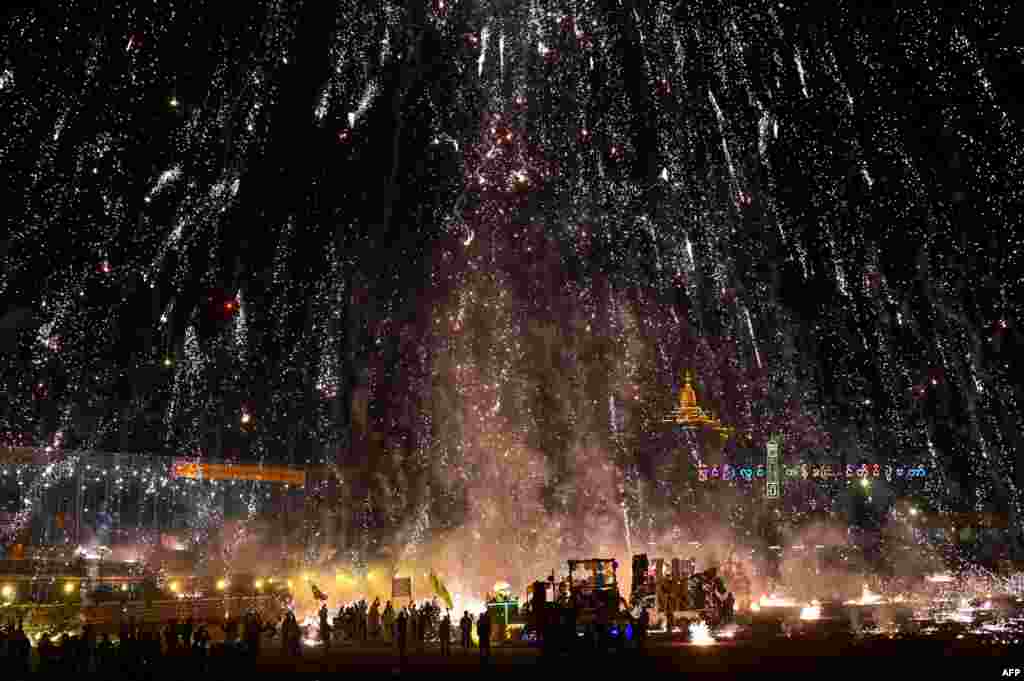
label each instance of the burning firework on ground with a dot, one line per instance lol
(700, 634)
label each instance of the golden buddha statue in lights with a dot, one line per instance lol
(690, 415)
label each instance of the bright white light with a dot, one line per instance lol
(866, 598)
(774, 601)
(700, 634)
(810, 612)
(939, 579)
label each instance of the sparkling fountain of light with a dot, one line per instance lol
(311, 626)
(811, 612)
(700, 634)
(774, 601)
(866, 598)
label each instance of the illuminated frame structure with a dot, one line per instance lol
(53, 499)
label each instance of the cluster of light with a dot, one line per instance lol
(811, 612)
(700, 634)
(773, 601)
(866, 598)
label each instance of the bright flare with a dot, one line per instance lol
(700, 634)
(939, 579)
(811, 612)
(866, 598)
(774, 601)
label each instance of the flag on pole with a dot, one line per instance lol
(441, 591)
(317, 593)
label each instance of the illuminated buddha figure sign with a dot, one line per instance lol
(691, 416)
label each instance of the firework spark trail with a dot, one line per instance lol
(203, 168)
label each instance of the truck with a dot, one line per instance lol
(583, 609)
(677, 595)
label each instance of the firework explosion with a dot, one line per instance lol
(462, 252)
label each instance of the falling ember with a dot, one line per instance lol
(700, 634)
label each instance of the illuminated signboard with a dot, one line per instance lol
(772, 467)
(806, 471)
(183, 468)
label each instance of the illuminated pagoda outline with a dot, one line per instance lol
(691, 416)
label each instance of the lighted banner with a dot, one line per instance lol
(805, 471)
(184, 468)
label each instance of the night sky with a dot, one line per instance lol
(465, 250)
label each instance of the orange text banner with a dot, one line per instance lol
(183, 468)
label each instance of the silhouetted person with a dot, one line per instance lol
(402, 629)
(421, 627)
(466, 625)
(325, 628)
(45, 648)
(483, 632)
(292, 635)
(201, 639)
(105, 655)
(230, 628)
(642, 625)
(186, 632)
(445, 635)
(171, 638)
(24, 646)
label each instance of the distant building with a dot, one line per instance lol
(91, 499)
